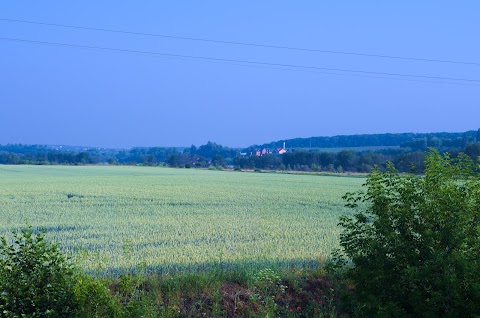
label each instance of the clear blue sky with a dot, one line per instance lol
(64, 95)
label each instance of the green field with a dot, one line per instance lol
(176, 219)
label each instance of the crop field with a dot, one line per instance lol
(118, 219)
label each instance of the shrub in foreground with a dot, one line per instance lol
(414, 242)
(36, 278)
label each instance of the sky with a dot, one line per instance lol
(72, 95)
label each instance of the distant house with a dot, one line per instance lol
(266, 151)
(281, 151)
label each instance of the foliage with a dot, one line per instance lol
(94, 298)
(211, 150)
(414, 242)
(473, 149)
(362, 140)
(37, 279)
(268, 288)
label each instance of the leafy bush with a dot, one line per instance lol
(414, 242)
(36, 278)
(94, 298)
(268, 288)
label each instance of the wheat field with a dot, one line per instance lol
(116, 219)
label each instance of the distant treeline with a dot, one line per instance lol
(409, 156)
(202, 156)
(33, 154)
(346, 160)
(374, 140)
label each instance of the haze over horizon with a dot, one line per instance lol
(59, 92)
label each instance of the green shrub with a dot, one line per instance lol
(36, 278)
(268, 288)
(414, 242)
(94, 298)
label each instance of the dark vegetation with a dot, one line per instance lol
(374, 140)
(303, 154)
(410, 249)
(35, 278)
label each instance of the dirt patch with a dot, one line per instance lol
(235, 300)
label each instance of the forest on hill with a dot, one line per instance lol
(344, 153)
(375, 140)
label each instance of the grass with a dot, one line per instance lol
(176, 220)
(301, 293)
(267, 293)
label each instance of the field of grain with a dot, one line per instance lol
(167, 220)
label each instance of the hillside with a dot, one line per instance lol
(369, 140)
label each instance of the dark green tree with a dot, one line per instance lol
(473, 150)
(346, 159)
(218, 161)
(465, 139)
(414, 241)
(193, 150)
(173, 160)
